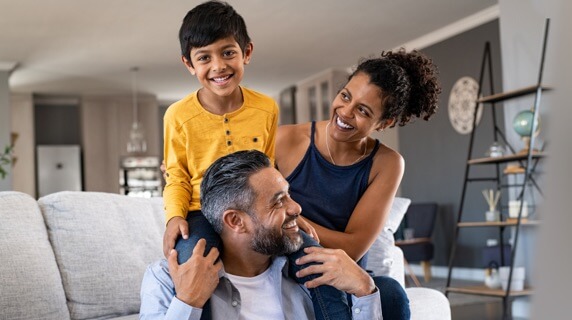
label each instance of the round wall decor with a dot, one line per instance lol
(462, 102)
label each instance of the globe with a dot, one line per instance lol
(522, 123)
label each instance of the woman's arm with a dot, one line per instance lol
(370, 214)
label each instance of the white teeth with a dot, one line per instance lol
(291, 224)
(221, 79)
(342, 124)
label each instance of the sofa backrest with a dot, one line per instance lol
(103, 243)
(30, 283)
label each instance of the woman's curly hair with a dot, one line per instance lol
(408, 81)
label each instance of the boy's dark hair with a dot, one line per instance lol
(408, 81)
(225, 185)
(209, 22)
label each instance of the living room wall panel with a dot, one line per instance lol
(106, 122)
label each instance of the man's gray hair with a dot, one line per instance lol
(225, 185)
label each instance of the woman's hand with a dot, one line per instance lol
(308, 228)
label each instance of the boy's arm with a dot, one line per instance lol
(177, 193)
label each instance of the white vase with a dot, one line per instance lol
(492, 279)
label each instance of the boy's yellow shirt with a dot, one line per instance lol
(195, 138)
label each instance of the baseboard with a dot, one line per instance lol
(472, 274)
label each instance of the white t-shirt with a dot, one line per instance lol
(260, 300)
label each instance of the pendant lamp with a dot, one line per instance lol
(136, 143)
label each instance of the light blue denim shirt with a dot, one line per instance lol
(158, 299)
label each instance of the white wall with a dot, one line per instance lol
(522, 26)
(522, 30)
(24, 152)
(553, 255)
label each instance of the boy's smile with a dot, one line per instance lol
(219, 67)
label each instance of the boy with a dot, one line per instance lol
(218, 119)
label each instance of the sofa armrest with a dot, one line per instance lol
(428, 304)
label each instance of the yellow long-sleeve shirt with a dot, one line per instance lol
(195, 138)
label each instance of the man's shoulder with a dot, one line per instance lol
(279, 268)
(255, 99)
(159, 270)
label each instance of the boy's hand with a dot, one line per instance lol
(337, 269)
(308, 228)
(196, 279)
(175, 227)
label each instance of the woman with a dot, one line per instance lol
(345, 180)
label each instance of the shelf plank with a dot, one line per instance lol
(509, 158)
(512, 94)
(475, 224)
(486, 291)
(411, 241)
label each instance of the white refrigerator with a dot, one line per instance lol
(58, 168)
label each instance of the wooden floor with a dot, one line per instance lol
(480, 311)
(466, 306)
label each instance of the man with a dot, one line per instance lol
(247, 202)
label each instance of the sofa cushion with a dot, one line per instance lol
(103, 243)
(396, 214)
(384, 258)
(30, 282)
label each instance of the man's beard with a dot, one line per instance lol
(271, 242)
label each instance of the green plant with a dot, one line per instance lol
(5, 160)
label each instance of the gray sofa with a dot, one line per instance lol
(81, 255)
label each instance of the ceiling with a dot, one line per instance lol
(89, 47)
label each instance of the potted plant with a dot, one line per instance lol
(6, 156)
(5, 160)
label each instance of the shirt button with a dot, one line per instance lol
(225, 120)
(255, 139)
(229, 143)
(357, 310)
(227, 132)
(234, 303)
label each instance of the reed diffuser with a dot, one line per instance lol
(492, 198)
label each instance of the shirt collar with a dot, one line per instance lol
(276, 264)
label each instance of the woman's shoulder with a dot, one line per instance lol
(294, 132)
(387, 158)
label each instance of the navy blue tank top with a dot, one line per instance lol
(329, 193)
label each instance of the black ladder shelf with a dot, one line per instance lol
(528, 161)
